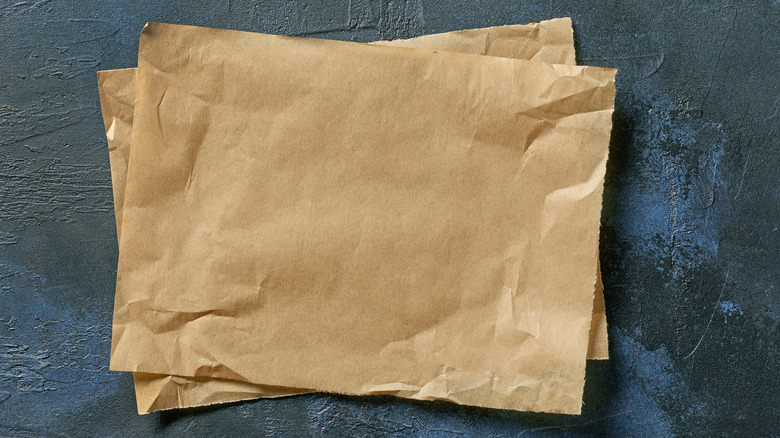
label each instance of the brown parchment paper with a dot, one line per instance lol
(165, 317)
(548, 41)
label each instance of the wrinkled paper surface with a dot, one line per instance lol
(548, 41)
(338, 389)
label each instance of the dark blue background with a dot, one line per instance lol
(689, 247)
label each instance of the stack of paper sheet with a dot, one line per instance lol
(408, 217)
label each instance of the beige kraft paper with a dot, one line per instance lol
(109, 135)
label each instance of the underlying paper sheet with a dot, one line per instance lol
(548, 41)
(351, 246)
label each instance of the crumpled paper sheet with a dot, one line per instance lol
(548, 41)
(109, 130)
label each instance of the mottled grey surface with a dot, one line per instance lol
(690, 245)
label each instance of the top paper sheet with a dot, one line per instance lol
(361, 219)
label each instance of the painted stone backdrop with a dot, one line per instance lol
(689, 247)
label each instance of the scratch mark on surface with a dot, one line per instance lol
(576, 425)
(434, 429)
(22, 125)
(38, 189)
(777, 108)
(644, 65)
(717, 58)
(65, 44)
(622, 58)
(712, 316)
(744, 169)
(16, 429)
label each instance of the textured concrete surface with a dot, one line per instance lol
(689, 233)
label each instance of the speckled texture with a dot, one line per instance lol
(689, 232)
